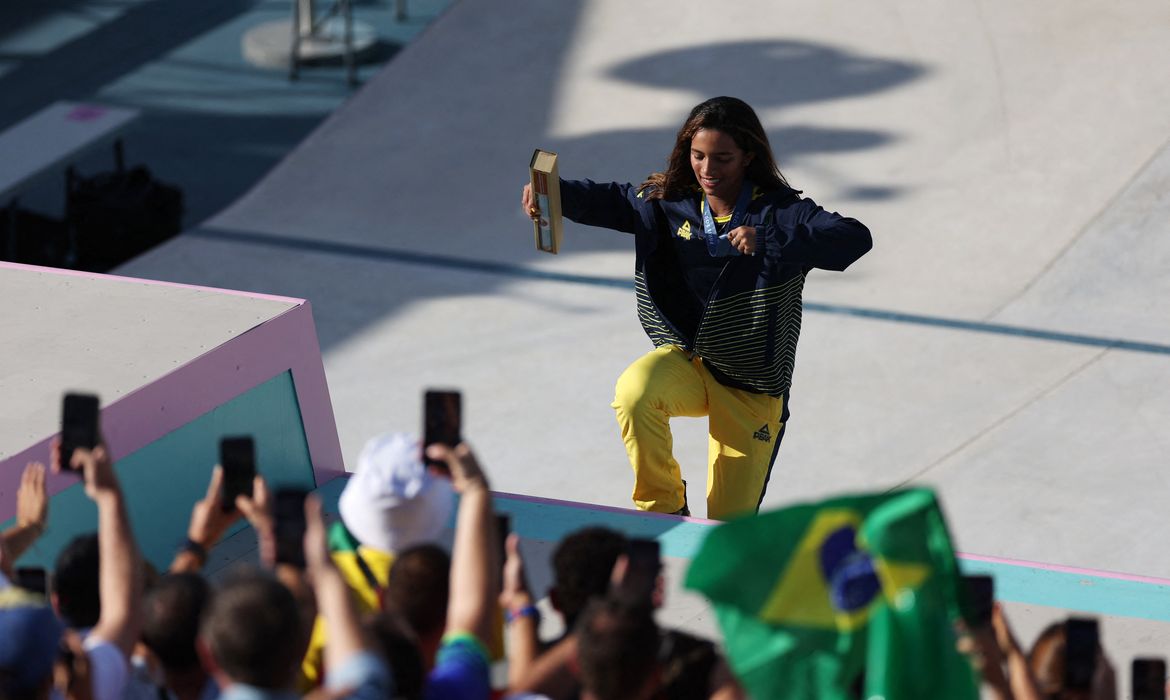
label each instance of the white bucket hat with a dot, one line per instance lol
(392, 502)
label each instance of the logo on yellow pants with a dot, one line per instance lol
(763, 434)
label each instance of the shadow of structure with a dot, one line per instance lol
(208, 124)
(774, 72)
(143, 32)
(775, 75)
(375, 231)
(779, 74)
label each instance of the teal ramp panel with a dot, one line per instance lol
(1018, 582)
(1085, 591)
(163, 480)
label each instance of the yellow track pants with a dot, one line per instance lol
(745, 431)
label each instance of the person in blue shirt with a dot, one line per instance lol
(722, 246)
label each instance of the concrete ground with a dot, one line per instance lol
(1005, 341)
(211, 123)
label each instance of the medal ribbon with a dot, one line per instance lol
(719, 246)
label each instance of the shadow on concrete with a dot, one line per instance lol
(205, 125)
(142, 33)
(244, 149)
(800, 73)
(175, 146)
(17, 17)
(775, 73)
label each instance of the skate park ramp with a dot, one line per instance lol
(1006, 341)
(175, 368)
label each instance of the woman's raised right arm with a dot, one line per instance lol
(606, 204)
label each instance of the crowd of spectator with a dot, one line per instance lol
(376, 607)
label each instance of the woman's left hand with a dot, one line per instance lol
(744, 239)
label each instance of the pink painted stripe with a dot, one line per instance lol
(1097, 573)
(138, 280)
(603, 509)
(286, 342)
(316, 406)
(969, 557)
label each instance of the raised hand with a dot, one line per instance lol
(32, 502)
(462, 465)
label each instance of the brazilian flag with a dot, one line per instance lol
(854, 596)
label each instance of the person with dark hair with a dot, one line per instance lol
(252, 635)
(582, 563)
(1047, 659)
(417, 590)
(617, 651)
(172, 611)
(722, 245)
(74, 581)
(592, 565)
(398, 644)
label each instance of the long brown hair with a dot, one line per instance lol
(733, 117)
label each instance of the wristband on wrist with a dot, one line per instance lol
(532, 611)
(193, 547)
(32, 524)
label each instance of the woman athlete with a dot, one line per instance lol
(723, 245)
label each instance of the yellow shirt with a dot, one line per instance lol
(367, 599)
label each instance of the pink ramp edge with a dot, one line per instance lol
(603, 509)
(86, 113)
(286, 342)
(1059, 568)
(1097, 573)
(152, 283)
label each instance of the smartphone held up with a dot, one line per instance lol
(237, 457)
(1081, 646)
(639, 583)
(442, 422)
(289, 525)
(978, 600)
(1148, 679)
(79, 425)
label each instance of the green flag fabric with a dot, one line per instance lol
(853, 597)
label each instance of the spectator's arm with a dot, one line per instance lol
(32, 512)
(208, 523)
(354, 672)
(257, 509)
(552, 673)
(333, 600)
(120, 579)
(473, 567)
(1022, 682)
(5, 564)
(990, 662)
(523, 644)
